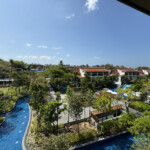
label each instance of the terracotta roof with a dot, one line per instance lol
(95, 112)
(95, 70)
(128, 70)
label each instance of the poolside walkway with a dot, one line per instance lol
(52, 93)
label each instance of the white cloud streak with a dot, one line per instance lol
(36, 57)
(57, 48)
(28, 45)
(68, 55)
(42, 46)
(91, 5)
(45, 57)
(70, 16)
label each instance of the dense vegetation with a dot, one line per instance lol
(1, 119)
(46, 130)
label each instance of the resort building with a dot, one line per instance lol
(5, 82)
(94, 72)
(144, 72)
(129, 73)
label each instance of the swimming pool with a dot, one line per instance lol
(13, 129)
(121, 142)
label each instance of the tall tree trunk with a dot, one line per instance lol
(127, 108)
(68, 121)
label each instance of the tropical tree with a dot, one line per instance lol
(103, 103)
(39, 91)
(75, 107)
(90, 99)
(68, 98)
(126, 95)
(86, 83)
(58, 109)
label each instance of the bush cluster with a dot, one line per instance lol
(140, 106)
(82, 136)
(1, 119)
(114, 126)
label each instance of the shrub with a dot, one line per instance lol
(1, 119)
(126, 120)
(109, 127)
(83, 136)
(139, 105)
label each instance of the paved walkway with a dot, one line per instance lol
(52, 93)
(85, 113)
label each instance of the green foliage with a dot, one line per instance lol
(141, 142)
(4, 69)
(104, 102)
(39, 91)
(52, 142)
(105, 82)
(141, 125)
(18, 64)
(126, 120)
(125, 80)
(109, 127)
(83, 136)
(139, 105)
(86, 83)
(1, 119)
(114, 126)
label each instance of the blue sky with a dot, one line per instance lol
(76, 31)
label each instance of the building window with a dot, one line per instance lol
(106, 73)
(100, 73)
(94, 73)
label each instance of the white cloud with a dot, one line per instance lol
(28, 45)
(42, 46)
(27, 57)
(96, 57)
(91, 5)
(68, 55)
(70, 16)
(57, 48)
(45, 57)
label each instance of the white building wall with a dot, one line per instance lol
(145, 72)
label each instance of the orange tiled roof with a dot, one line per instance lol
(128, 70)
(95, 70)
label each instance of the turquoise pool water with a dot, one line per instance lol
(13, 129)
(126, 86)
(121, 142)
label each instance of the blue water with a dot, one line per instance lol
(13, 129)
(121, 142)
(126, 86)
(36, 70)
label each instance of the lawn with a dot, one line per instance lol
(4, 89)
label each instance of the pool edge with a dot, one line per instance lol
(24, 140)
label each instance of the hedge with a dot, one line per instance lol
(140, 106)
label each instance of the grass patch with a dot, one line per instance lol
(4, 89)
